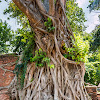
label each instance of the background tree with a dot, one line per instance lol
(76, 17)
(5, 37)
(93, 66)
(92, 75)
(95, 43)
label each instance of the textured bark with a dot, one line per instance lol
(66, 80)
(51, 7)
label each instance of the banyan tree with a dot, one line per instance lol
(55, 77)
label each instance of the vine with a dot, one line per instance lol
(20, 69)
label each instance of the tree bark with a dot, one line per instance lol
(66, 80)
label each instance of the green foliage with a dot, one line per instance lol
(15, 12)
(92, 74)
(24, 35)
(12, 8)
(28, 52)
(20, 70)
(79, 50)
(49, 26)
(40, 59)
(98, 74)
(94, 5)
(95, 43)
(22, 39)
(76, 16)
(5, 37)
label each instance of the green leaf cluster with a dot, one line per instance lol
(15, 12)
(5, 37)
(49, 26)
(92, 74)
(22, 39)
(24, 34)
(40, 59)
(95, 43)
(79, 50)
(76, 16)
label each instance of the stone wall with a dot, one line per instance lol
(7, 65)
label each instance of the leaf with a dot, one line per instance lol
(31, 59)
(45, 24)
(49, 20)
(40, 65)
(52, 66)
(53, 28)
(23, 40)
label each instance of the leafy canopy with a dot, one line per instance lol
(76, 16)
(5, 37)
(93, 66)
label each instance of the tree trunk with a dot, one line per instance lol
(66, 80)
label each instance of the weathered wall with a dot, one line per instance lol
(7, 64)
(98, 95)
(92, 91)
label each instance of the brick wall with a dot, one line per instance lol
(92, 91)
(7, 64)
(98, 95)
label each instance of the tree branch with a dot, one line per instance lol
(27, 11)
(41, 6)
